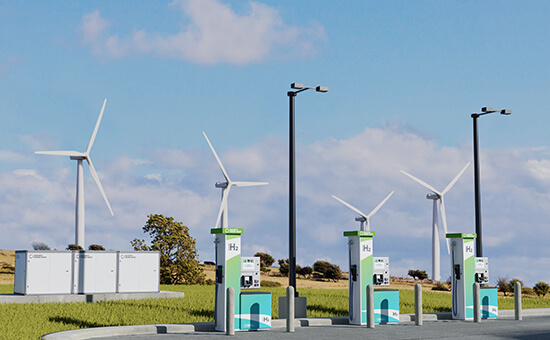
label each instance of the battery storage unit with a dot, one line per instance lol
(43, 272)
(94, 272)
(138, 272)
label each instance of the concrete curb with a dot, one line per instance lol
(99, 332)
(14, 298)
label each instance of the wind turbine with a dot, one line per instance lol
(437, 196)
(226, 187)
(79, 157)
(364, 217)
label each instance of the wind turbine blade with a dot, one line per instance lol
(217, 158)
(444, 218)
(421, 182)
(379, 205)
(94, 175)
(454, 180)
(61, 153)
(350, 206)
(223, 204)
(96, 128)
(248, 184)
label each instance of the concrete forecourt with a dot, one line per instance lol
(535, 325)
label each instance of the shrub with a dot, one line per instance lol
(74, 247)
(333, 273)
(527, 291)
(328, 270)
(95, 247)
(270, 284)
(513, 282)
(266, 260)
(283, 267)
(321, 266)
(40, 246)
(305, 271)
(503, 285)
(541, 288)
(442, 286)
(420, 274)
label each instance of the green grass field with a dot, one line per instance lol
(29, 321)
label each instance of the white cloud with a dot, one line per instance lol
(38, 204)
(154, 177)
(215, 34)
(539, 169)
(26, 172)
(10, 156)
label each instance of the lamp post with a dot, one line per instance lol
(477, 190)
(292, 182)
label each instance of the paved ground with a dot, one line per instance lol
(533, 327)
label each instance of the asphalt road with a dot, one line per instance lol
(534, 327)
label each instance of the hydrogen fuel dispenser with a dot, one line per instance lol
(364, 269)
(466, 269)
(252, 309)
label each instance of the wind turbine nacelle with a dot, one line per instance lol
(432, 196)
(221, 184)
(360, 219)
(77, 158)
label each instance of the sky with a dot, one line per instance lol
(403, 77)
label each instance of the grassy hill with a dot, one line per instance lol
(7, 266)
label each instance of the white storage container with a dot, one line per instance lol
(43, 272)
(138, 272)
(94, 272)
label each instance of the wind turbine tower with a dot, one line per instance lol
(226, 187)
(437, 196)
(363, 218)
(79, 157)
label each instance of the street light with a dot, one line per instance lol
(484, 111)
(292, 188)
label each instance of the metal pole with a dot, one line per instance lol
(370, 306)
(230, 326)
(418, 304)
(477, 303)
(517, 300)
(292, 198)
(477, 190)
(290, 309)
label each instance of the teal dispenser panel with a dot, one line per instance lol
(489, 302)
(255, 310)
(386, 306)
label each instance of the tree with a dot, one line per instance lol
(74, 247)
(266, 260)
(283, 267)
(179, 262)
(328, 270)
(96, 247)
(306, 271)
(40, 246)
(420, 274)
(503, 285)
(541, 288)
(321, 267)
(333, 273)
(513, 283)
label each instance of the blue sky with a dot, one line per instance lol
(404, 77)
